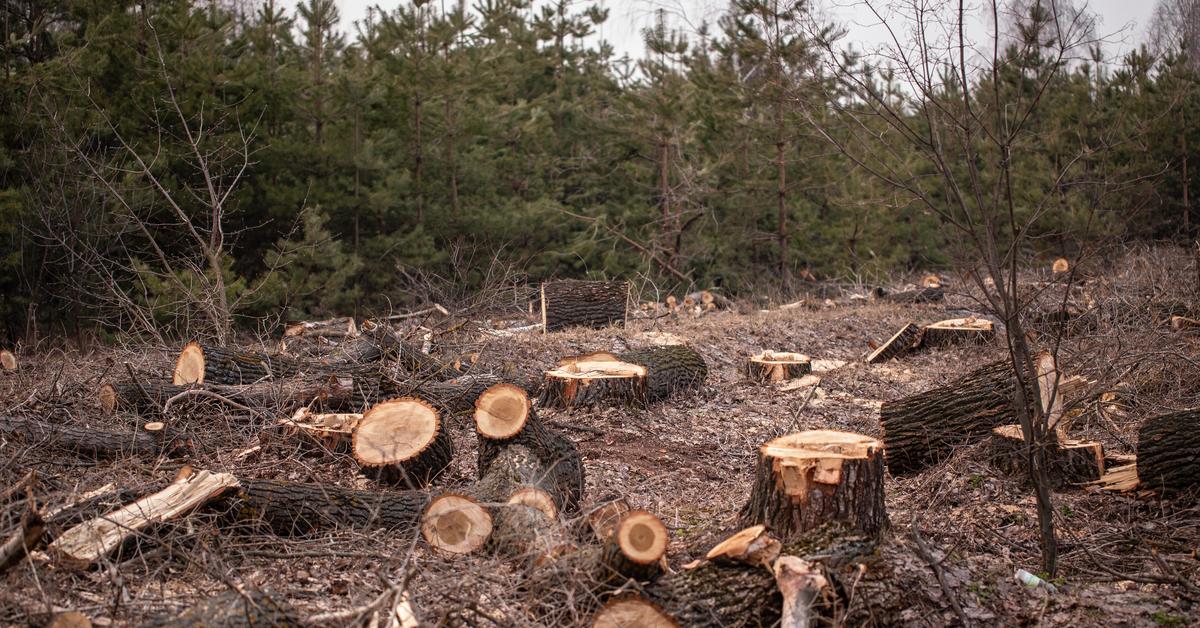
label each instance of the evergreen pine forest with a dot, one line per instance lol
(161, 153)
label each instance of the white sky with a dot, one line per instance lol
(1122, 22)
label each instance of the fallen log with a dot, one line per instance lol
(631, 610)
(293, 509)
(777, 366)
(957, 331)
(598, 379)
(274, 395)
(8, 360)
(1183, 323)
(809, 479)
(922, 429)
(420, 366)
(525, 523)
(670, 369)
(199, 364)
(900, 343)
(152, 440)
(504, 417)
(235, 609)
(456, 524)
(1071, 462)
(1168, 452)
(402, 441)
(921, 295)
(636, 549)
(592, 304)
(92, 540)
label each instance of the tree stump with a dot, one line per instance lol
(1168, 451)
(957, 331)
(456, 524)
(403, 441)
(1071, 462)
(598, 379)
(900, 343)
(808, 479)
(777, 366)
(592, 304)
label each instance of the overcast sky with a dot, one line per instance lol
(1122, 22)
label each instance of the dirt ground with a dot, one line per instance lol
(1124, 559)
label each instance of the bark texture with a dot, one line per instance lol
(670, 370)
(1070, 462)
(1168, 451)
(592, 304)
(902, 342)
(92, 442)
(291, 509)
(553, 451)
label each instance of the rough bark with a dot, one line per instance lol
(419, 366)
(274, 395)
(1168, 451)
(592, 304)
(807, 480)
(1072, 462)
(521, 531)
(902, 342)
(772, 366)
(96, 443)
(291, 509)
(235, 609)
(921, 295)
(403, 441)
(958, 331)
(199, 364)
(670, 370)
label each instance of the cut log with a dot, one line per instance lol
(637, 548)
(923, 429)
(957, 331)
(8, 360)
(922, 295)
(519, 486)
(419, 365)
(152, 440)
(900, 343)
(403, 441)
(809, 479)
(503, 418)
(1168, 452)
(91, 541)
(456, 524)
(291, 509)
(603, 519)
(332, 328)
(670, 370)
(594, 380)
(776, 366)
(750, 546)
(800, 583)
(199, 364)
(235, 609)
(629, 612)
(275, 395)
(1060, 266)
(1071, 462)
(454, 396)
(592, 304)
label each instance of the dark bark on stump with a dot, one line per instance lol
(670, 370)
(592, 304)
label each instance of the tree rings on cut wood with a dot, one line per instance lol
(637, 546)
(501, 411)
(456, 524)
(537, 499)
(958, 331)
(403, 441)
(597, 379)
(1060, 266)
(592, 304)
(777, 366)
(808, 479)
(189, 367)
(900, 343)
(8, 360)
(631, 611)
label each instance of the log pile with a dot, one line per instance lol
(591, 304)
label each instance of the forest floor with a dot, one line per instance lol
(1125, 559)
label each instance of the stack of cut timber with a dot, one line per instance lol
(593, 304)
(1072, 462)
(900, 343)
(954, 331)
(777, 366)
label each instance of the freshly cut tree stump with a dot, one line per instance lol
(631, 612)
(670, 369)
(809, 479)
(235, 609)
(291, 509)
(776, 366)
(8, 360)
(902, 342)
(594, 380)
(1071, 462)
(958, 331)
(456, 524)
(638, 546)
(923, 429)
(403, 441)
(504, 418)
(593, 304)
(152, 440)
(331, 328)
(90, 541)
(1168, 451)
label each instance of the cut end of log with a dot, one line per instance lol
(189, 367)
(900, 343)
(8, 360)
(456, 524)
(631, 612)
(501, 411)
(642, 537)
(108, 398)
(751, 545)
(777, 366)
(155, 426)
(597, 356)
(537, 499)
(594, 379)
(1060, 266)
(395, 431)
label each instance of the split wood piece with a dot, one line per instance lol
(25, 537)
(152, 440)
(1183, 323)
(292, 509)
(241, 609)
(1120, 479)
(403, 441)
(594, 380)
(276, 395)
(519, 491)
(777, 366)
(750, 546)
(592, 304)
(456, 524)
(504, 418)
(923, 429)
(631, 611)
(956, 331)
(326, 432)
(421, 366)
(922, 295)
(91, 541)
(670, 370)
(8, 360)
(637, 548)
(1168, 451)
(809, 479)
(1071, 462)
(332, 328)
(900, 343)
(800, 583)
